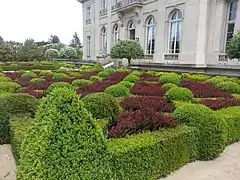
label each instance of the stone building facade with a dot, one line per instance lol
(170, 31)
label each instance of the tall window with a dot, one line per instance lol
(175, 32)
(104, 4)
(115, 34)
(104, 40)
(131, 30)
(232, 11)
(88, 12)
(150, 36)
(88, 46)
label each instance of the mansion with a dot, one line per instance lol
(170, 31)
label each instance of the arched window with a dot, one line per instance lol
(115, 34)
(175, 32)
(150, 36)
(131, 30)
(104, 40)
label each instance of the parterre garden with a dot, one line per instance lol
(96, 123)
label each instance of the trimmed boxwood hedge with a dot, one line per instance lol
(170, 78)
(118, 91)
(132, 78)
(169, 86)
(58, 85)
(230, 87)
(179, 94)
(232, 117)
(81, 82)
(63, 142)
(152, 154)
(9, 86)
(102, 106)
(212, 139)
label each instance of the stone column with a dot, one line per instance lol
(237, 25)
(109, 27)
(96, 39)
(202, 33)
(219, 28)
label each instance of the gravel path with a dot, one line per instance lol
(226, 167)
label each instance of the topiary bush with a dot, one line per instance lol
(104, 74)
(81, 82)
(98, 67)
(236, 96)
(58, 85)
(29, 75)
(230, 87)
(179, 94)
(102, 106)
(9, 86)
(64, 134)
(126, 84)
(4, 79)
(46, 73)
(217, 79)
(12, 105)
(169, 86)
(95, 78)
(68, 53)
(170, 78)
(195, 77)
(118, 91)
(37, 81)
(51, 54)
(74, 74)
(59, 76)
(212, 133)
(132, 78)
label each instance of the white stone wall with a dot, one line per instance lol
(203, 28)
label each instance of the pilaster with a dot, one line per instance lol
(237, 25)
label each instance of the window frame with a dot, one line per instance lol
(151, 51)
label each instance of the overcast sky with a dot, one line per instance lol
(38, 19)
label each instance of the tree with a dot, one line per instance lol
(129, 49)
(6, 52)
(75, 42)
(29, 51)
(54, 39)
(41, 43)
(51, 54)
(68, 53)
(233, 48)
(1, 40)
(16, 46)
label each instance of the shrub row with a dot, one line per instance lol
(216, 104)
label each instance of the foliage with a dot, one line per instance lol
(104, 74)
(204, 90)
(98, 67)
(58, 85)
(149, 78)
(51, 54)
(132, 78)
(9, 86)
(95, 78)
(217, 79)
(230, 87)
(151, 155)
(64, 135)
(81, 82)
(216, 104)
(145, 102)
(146, 89)
(212, 135)
(28, 52)
(6, 53)
(74, 74)
(54, 39)
(128, 49)
(18, 131)
(102, 106)
(169, 86)
(179, 94)
(233, 48)
(127, 84)
(170, 78)
(57, 46)
(4, 79)
(37, 81)
(29, 74)
(1, 40)
(68, 53)
(195, 77)
(59, 76)
(231, 116)
(75, 42)
(118, 91)
(12, 105)
(46, 73)
(236, 96)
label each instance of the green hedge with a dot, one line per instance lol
(126, 84)
(132, 78)
(104, 74)
(18, 131)
(195, 77)
(102, 106)
(46, 73)
(231, 87)
(152, 154)
(58, 85)
(95, 78)
(29, 75)
(74, 74)
(232, 117)
(59, 76)
(9, 86)
(81, 82)
(169, 86)
(218, 79)
(36, 81)
(118, 91)
(63, 142)
(179, 94)
(170, 78)
(212, 131)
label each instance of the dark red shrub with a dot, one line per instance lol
(133, 122)
(13, 75)
(204, 90)
(40, 86)
(48, 78)
(117, 76)
(216, 104)
(146, 89)
(23, 81)
(29, 90)
(89, 74)
(147, 77)
(68, 80)
(157, 103)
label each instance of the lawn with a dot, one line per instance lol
(96, 123)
